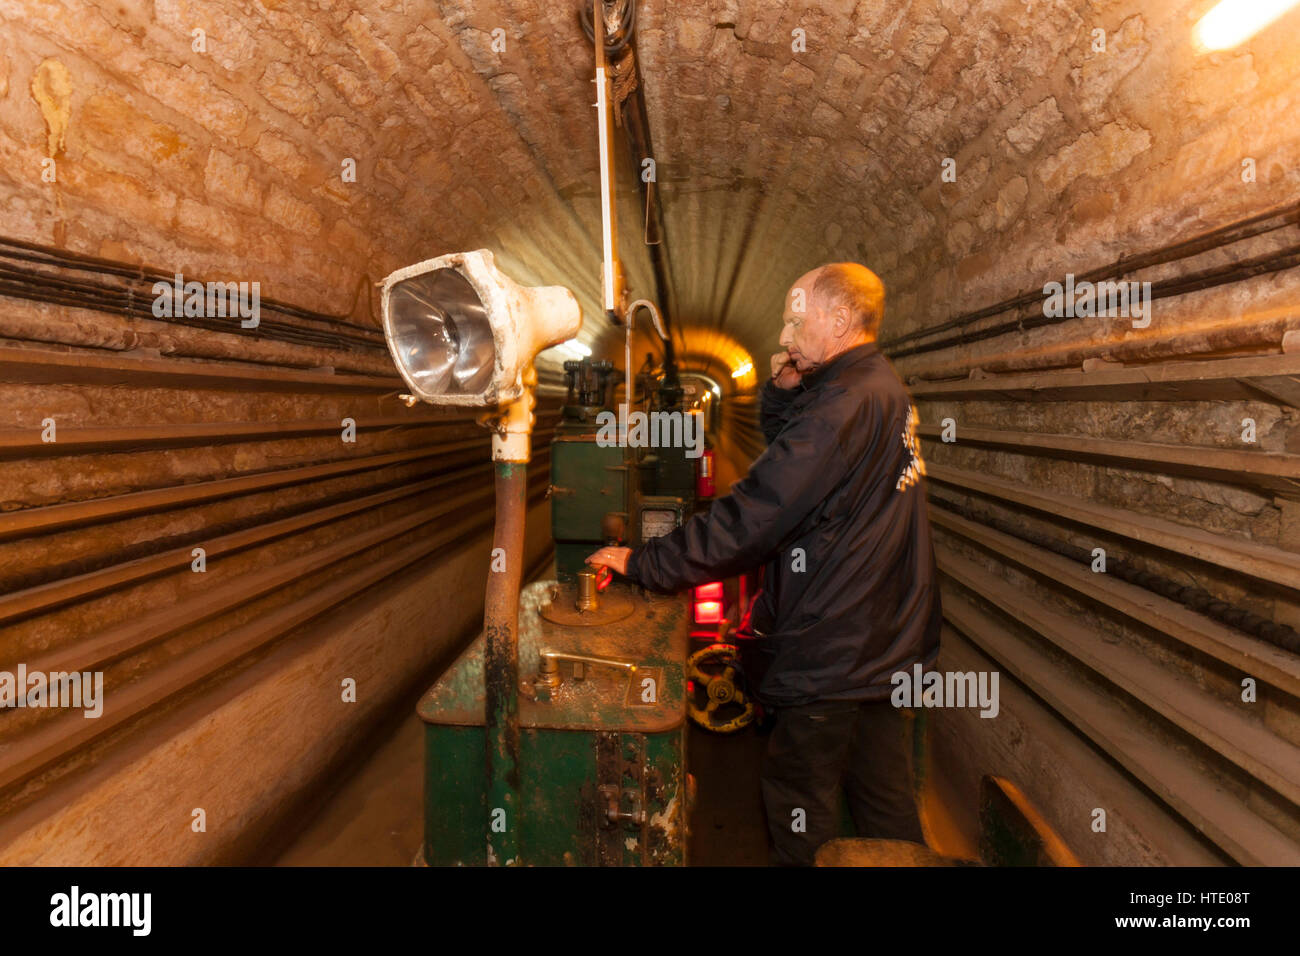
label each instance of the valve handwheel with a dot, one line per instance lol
(717, 700)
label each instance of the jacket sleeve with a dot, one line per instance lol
(774, 409)
(784, 485)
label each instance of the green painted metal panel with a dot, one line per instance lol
(455, 796)
(597, 731)
(587, 482)
(561, 818)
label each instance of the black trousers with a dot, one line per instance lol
(865, 748)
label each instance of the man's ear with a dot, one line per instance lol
(843, 320)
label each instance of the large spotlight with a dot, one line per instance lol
(440, 335)
(464, 333)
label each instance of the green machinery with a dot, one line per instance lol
(592, 481)
(601, 770)
(558, 736)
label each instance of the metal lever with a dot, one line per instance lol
(548, 672)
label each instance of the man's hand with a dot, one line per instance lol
(613, 558)
(784, 374)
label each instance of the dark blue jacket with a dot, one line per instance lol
(835, 508)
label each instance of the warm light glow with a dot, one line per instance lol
(744, 368)
(708, 612)
(1235, 21)
(573, 349)
(708, 603)
(710, 352)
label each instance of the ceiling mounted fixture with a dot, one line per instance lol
(1233, 22)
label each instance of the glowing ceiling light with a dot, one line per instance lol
(744, 368)
(1235, 21)
(573, 349)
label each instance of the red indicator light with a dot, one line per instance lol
(709, 592)
(708, 612)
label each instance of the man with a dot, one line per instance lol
(836, 510)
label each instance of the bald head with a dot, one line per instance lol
(830, 310)
(853, 287)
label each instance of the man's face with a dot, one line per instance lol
(807, 330)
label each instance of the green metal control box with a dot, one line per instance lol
(601, 772)
(588, 482)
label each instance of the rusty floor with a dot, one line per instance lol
(374, 817)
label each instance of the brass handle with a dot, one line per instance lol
(548, 673)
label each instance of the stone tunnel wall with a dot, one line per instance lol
(1173, 664)
(232, 151)
(340, 536)
(260, 560)
(974, 150)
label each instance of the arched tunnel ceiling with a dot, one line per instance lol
(787, 133)
(775, 155)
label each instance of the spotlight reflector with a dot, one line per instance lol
(440, 335)
(464, 333)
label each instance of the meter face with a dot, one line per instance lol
(657, 523)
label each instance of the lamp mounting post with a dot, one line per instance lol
(461, 332)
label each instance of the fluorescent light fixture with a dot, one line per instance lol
(743, 369)
(1233, 22)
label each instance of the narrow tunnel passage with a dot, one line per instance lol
(248, 506)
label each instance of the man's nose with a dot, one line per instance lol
(785, 337)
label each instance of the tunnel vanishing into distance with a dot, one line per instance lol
(268, 555)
